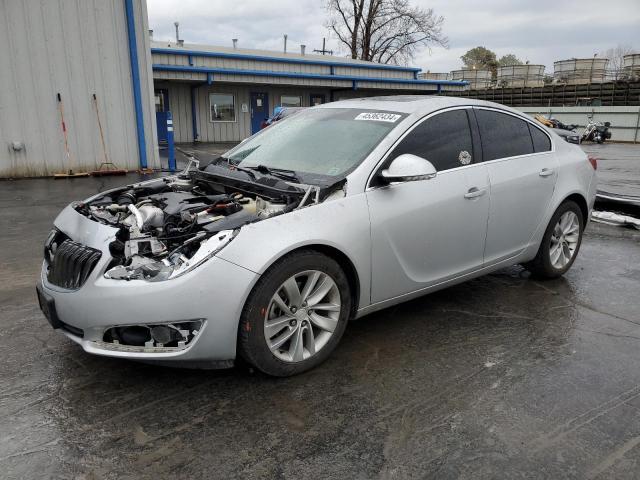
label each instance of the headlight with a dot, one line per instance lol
(158, 270)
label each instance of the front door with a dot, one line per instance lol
(162, 107)
(523, 172)
(259, 110)
(428, 231)
(316, 99)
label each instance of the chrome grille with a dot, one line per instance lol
(71, 264)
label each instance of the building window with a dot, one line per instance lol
(290, 101)
(223, 107)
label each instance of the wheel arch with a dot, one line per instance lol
(579, 199)
(342, 259)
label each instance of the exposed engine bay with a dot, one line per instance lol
(170, 225)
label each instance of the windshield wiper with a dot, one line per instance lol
(282, 173)
(233, 166)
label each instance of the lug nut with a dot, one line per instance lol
(293, 309)
(293, 322)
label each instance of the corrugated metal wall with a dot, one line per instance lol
(180, 106)
(75, 48)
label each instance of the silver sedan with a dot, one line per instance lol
(334, 213)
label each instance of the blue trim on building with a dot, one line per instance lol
(314, 76)
(194, 115)
(264, 58)
(135, 80)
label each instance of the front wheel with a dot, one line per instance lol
(560, 243)
(295, 315)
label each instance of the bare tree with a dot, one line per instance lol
(384, 31)
(615, 56)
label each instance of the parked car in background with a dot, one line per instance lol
(345, 209)
(570, 136)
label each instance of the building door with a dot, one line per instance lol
(316, 99)
(162, 107)
(259, 110)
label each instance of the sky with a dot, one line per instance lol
(539, 31)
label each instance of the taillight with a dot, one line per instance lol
(593, 161)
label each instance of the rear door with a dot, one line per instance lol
(428, 231)
(522, 171)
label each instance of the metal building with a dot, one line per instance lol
(476, 78)
(75, 49)
(434, 76)
(218, 94)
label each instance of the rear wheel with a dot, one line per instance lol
(295, 315)
(560, 243)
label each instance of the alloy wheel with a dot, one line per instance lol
(564, 240)
(302, 315)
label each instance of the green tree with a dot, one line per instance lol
(508, 60)
(481, 58)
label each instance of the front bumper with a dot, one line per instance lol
(215, 292)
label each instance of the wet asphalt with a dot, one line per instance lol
(500, 377)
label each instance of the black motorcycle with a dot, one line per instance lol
(596, 131)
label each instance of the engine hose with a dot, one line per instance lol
(139, 220)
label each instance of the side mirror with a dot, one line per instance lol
(408, 168)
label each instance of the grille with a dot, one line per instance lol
(71, 264)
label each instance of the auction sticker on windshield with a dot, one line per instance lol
(378, 116)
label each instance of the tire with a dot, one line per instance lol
(274, 311)
(543, 265)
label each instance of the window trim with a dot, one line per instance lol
(523, 118)
(386, 155)
(235, 111)
(531, 125)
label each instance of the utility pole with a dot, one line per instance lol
(324, 50)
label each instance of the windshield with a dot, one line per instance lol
(325, 142)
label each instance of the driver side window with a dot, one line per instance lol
(444, 140)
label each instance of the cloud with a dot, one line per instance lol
(542, 31)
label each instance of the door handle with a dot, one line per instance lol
(545, 172)
(475, 192)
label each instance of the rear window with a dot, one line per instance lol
(541, 142)
(503, 135)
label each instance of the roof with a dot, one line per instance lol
(271, 54)
(412, 103)
(222, 64)
(418, 105)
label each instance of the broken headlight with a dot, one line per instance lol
(173, 265)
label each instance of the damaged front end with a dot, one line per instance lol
(169, 226)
